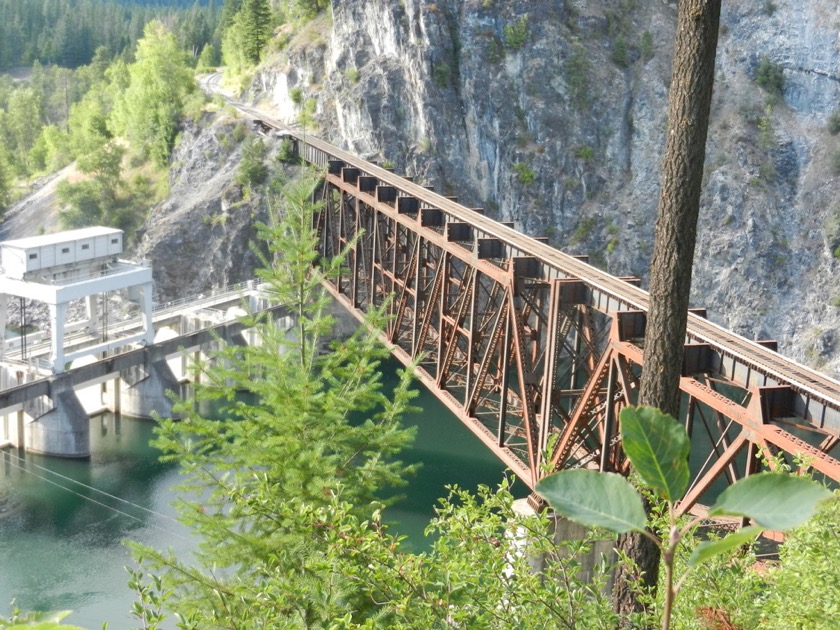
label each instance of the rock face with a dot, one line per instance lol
(552, 114)
(200, 237)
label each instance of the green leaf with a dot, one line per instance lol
(595, 499)
(658, 448)
(706, 550)
(773, 500)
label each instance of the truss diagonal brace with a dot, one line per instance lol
(522, 368)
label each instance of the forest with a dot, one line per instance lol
(78, 76)
(71, 64)
(67, 33)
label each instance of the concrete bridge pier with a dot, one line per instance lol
(112, 395)
(562, 531)
(12, 429)
(147, 387)
(59, 424)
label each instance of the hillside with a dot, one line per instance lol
(551, 114)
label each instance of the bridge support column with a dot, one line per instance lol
(146, 395)
(58, 313)
(92, 312)
(145, 294)
(561, 530)
(112, 396)
(60, 426)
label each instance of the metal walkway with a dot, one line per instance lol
(194, 323)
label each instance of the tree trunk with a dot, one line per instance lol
(690, 99)
(645, 555)
(689, 103)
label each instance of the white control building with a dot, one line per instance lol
(57, 269)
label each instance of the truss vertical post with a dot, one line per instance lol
(504, 384)
(609, 420)
(552, 355)
(531, 433)
(356, 268)
(419, 287)
(472, 339)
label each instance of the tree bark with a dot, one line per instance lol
(675, 236)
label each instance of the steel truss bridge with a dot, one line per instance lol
(537, 351)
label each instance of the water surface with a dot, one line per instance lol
(60, 548)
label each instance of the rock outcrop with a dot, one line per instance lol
(201, 236)
(552, 114)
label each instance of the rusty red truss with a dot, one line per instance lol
(537, 351)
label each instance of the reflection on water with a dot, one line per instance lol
(61, 541)
(61, 535)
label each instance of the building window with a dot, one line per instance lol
(65, 250)
(85, 246)
(33, 256)
(114, 241)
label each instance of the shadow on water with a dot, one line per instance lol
(448, 454)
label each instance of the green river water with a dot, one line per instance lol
(61, 543)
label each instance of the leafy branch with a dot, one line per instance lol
(658, 448)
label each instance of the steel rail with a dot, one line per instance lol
(818, 387)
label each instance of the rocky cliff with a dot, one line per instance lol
(552, 114)
(201, 236)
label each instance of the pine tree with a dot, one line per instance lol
(208, 59)
(256, 21)
(23, 125)
(5, 184)
(147, 112)
(308, 425)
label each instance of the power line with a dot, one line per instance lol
(25, 468)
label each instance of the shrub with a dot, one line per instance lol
(296, 94)
(767, 136)
(583, 230)
(658, 448)
(806, 560)
(524, 173)
(646, 46)
(353, 75)
(286, 150)
(620, 55)
(767, 172)
(516, 33)
(239, 132)
(834, 123)
(252, 169)
(442, 74)
(577, 71)
(770, 76)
